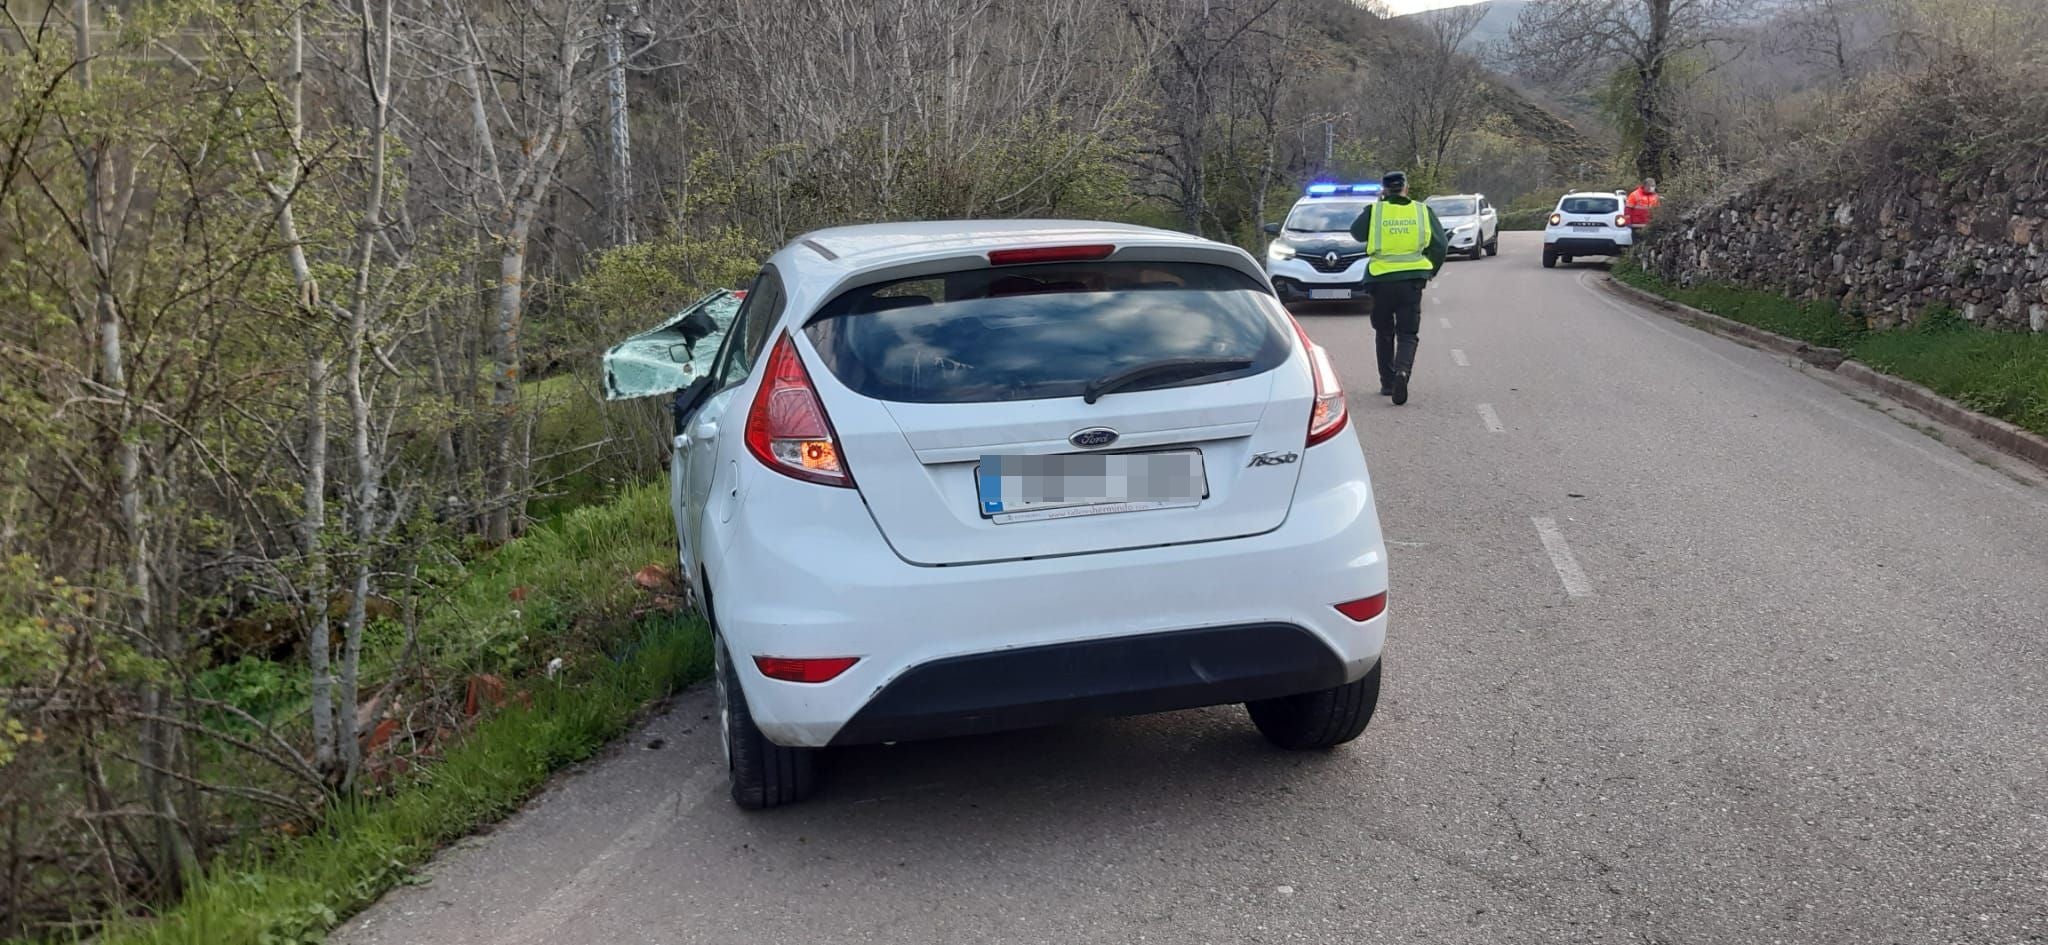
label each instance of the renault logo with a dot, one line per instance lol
(1330, 258)
(1093, 437)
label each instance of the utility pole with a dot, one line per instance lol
(620, 179)
(1329, 143)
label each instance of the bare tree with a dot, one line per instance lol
(1439, 85)
(1583, 40)
(1193, 46)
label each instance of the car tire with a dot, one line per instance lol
(1549, 258)
(1493, 247)
(1325, 718)
(1567, 260)
(763, 774)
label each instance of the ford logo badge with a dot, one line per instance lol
(1093, 437)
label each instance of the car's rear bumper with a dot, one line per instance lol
(1589, 245)
(802, 571)
(1057, 682)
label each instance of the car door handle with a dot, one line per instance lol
(682, 441)
(707, 431)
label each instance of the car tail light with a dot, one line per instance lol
(1556, 219)
(1326, 419)
(787, 429)
(1364, 608)
(1621, 219)
(804, 671)
(1046, 254)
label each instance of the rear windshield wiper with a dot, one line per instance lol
(1191, 367)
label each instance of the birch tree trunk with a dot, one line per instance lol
(375, 34)
(124, 449)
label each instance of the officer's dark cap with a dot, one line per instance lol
(1395, 180)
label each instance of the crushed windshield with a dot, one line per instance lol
(1326, 217)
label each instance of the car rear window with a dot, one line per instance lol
(1590, 205)
(1044, 331)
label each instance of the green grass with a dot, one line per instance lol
(569, 573)
(578, 601)
(309, 885)
(2003, 374)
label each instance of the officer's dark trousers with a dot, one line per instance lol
(1396, 319)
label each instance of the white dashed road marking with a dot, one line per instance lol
(1491, 419)
(1444, 322)
(1458, 356)
(1568, 571)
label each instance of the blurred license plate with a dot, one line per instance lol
(1027, 488)
(1585, 223)
(1329, 293)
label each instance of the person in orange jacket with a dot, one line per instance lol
(1641, 202)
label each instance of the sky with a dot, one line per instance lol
(1404, 7)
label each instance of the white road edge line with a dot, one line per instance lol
(1568, 571)
(1491, 419)
(1458, 356)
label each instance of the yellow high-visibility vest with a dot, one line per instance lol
(1399, 237)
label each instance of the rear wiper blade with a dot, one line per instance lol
(1192, 367)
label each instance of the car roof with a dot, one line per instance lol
(880, 244)
(1451, 197)
(823, 258)
(1590, 193)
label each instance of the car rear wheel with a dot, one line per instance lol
(1322, 719)
(1549, 258)
(763, 774)
(1493, 247)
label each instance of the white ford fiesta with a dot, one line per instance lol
(950, 478)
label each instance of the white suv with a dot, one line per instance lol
(952, 478)
(1470, 221)
(1586, 224)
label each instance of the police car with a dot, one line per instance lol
(1312, 256)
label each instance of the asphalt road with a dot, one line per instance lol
(1689, 647)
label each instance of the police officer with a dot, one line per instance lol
(1407, 246)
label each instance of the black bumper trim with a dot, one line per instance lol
(1044, 685)
(1581, 246)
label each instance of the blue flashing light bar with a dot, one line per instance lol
(1331, 190)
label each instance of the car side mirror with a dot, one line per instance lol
(1272, 229)
(687, 400)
